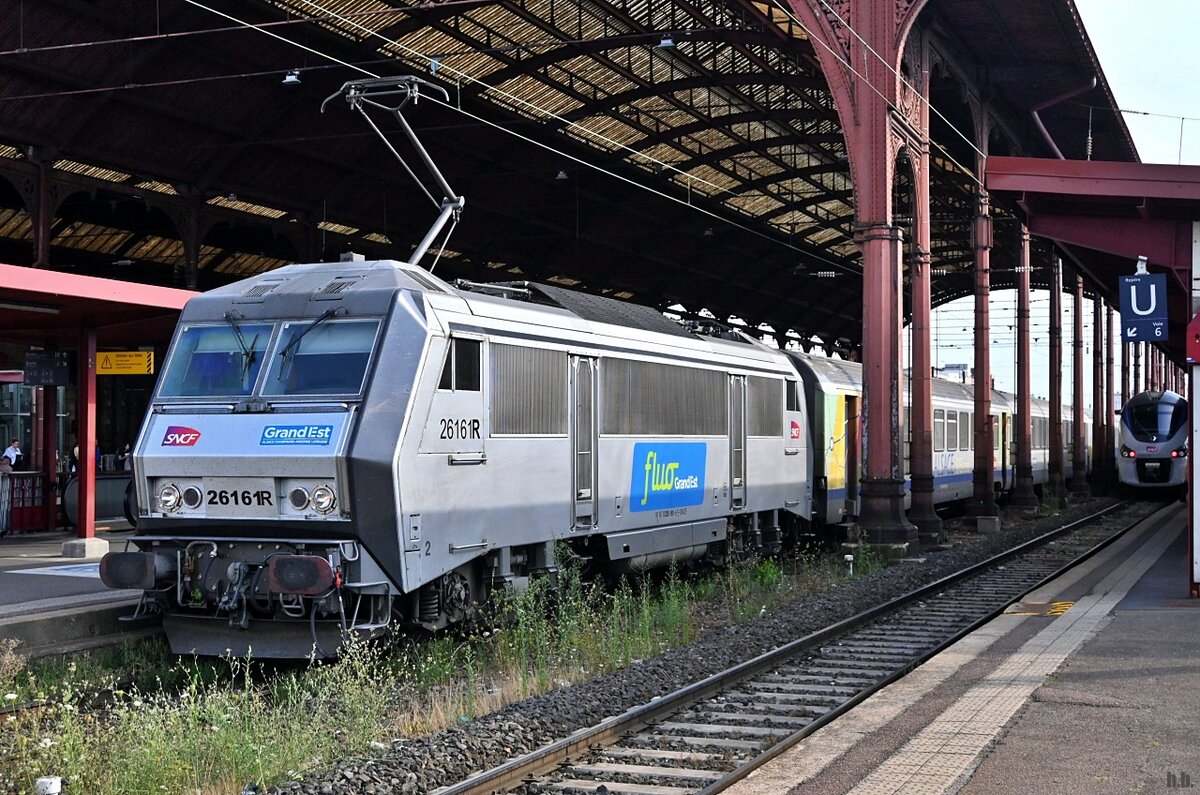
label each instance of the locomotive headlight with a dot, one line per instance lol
(298, 498)
(169, 498)
(192, 497)
(323, 499)
(1128, 453)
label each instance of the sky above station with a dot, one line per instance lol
(1151, 60)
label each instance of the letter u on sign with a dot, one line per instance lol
(1133, 300)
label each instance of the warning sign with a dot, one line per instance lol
(125, 363)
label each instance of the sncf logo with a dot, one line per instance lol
(795, 430)
(180, 436)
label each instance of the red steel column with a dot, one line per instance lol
(1023, 496)
(1110, 433)
(1055, 463)
(1079, 485)
(874, 108)
(882, 512)
(921, 512)
(48, 455)
(983, 501)
(86, 414)
(1099, 461)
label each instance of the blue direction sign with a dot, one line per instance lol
(1144, 307)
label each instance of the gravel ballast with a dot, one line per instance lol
(424, 764)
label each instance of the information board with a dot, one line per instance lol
(48, 368)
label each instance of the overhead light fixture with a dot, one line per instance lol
(562, 174)
(667, 41)
(708, 231)
(21, 306)
(435, 63)
(292, 78)
(123, 262)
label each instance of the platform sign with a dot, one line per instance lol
(125, 363)
(47, 368)
(1144, 307)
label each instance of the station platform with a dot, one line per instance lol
(51, 603)
(1089, 685)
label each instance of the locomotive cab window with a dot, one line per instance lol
(329, 358)
(216, 360)
(460, 373)
(793, 395)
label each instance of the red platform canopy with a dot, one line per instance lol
(52, 309)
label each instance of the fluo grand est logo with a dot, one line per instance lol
(667, 475)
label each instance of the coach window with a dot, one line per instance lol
(964, 430)
(951, 430)
(461, 371)
(939, 430)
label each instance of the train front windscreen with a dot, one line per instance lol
(1156, 421)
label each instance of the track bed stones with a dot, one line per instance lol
(427, 763)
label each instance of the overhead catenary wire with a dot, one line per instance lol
(833, 263)
(584, 131)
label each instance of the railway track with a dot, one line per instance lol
(704, 737)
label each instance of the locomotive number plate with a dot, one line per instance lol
(240, 497)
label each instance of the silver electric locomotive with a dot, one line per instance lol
(341, 447)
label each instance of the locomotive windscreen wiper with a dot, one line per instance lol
(248, 353)
(295, 341)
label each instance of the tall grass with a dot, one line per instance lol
(212, 727)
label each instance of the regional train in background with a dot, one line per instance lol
(354, 446)
(1154, 441)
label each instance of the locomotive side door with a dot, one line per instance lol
(737, 440)
(583, 440)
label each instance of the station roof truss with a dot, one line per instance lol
(718, 107)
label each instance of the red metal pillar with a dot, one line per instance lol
(1110, 433)
(86, 414)
(882, 512)
(47, 404)
(1055, 463)
(983, 498)
(1023, 496)
(1099, 461)
(1079, 485)
(877, 115)
(921, 512)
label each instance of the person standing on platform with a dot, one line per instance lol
(125, 458)
(13, 453)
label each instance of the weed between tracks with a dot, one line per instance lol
(209, 727)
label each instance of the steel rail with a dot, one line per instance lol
(522, 769)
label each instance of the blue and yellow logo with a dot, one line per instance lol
(667, 475)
